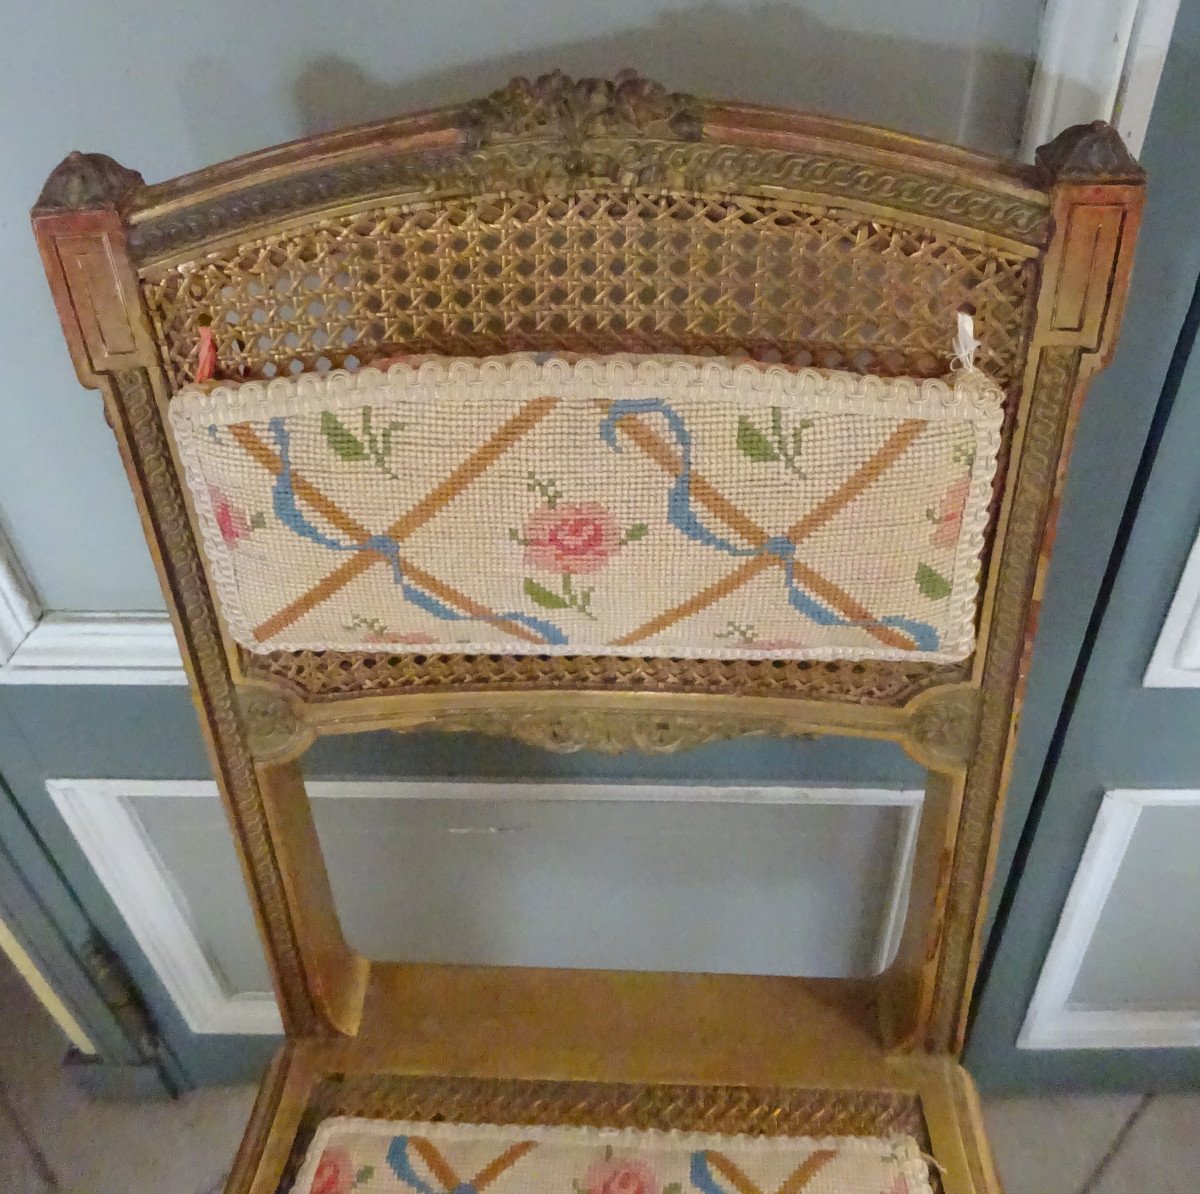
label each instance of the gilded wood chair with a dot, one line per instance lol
(606, 217)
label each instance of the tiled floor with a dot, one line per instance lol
(54, 1140)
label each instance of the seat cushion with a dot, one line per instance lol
(363, 1156)
(639, 506)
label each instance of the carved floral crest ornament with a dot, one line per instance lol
(585, 219)
(576, 110)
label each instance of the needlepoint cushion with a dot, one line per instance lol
(360, 1156)
(543, 504)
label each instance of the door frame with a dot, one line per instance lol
(47, 936)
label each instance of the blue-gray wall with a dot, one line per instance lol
(168, 88)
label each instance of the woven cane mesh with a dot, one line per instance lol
(596, 271)
(342, 673)
(753, 1110)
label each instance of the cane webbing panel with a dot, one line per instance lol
(545, 505)
(413, 1157)
(600, 272)
(333, 674)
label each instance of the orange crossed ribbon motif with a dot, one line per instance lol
(403, 1148)
(708, 1165)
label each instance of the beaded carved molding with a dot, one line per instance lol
(551, 505)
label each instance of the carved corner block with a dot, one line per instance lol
(79, 225)
(1088, 153)
(1097, 190)
(943, 727)
(88, 182)
(275, 730)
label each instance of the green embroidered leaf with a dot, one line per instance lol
(542, 596)
(751, 442)
(673, 1188)
(340, 438)
(364, 1175)
(932, 583)
(635, 532)
(258, 520)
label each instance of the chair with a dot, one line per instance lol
(596, 216)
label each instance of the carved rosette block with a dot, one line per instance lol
(274, 731)
(943, 727)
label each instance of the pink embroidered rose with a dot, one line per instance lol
(232, 523)
(948, 520)
(616, 1176)
(572, 537)
(410, 638)
(335, 1173)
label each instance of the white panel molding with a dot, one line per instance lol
(41, 647)
(116, 648)
(902, 865)
(100, 815)
(1176, 659)
(1053, 1021)
(19, 608)
(1098, 60)
(111, 837)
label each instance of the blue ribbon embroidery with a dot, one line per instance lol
(683, 517)
(701, 1174)
(287, 510)
(397, 1158)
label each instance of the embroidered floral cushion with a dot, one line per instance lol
(359, 1156)
(667, 506)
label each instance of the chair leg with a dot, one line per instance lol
(907, 986)
(336, 975)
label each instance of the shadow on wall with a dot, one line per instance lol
(971, 93)
(774, 53)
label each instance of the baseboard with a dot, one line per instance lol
(112, 1080)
